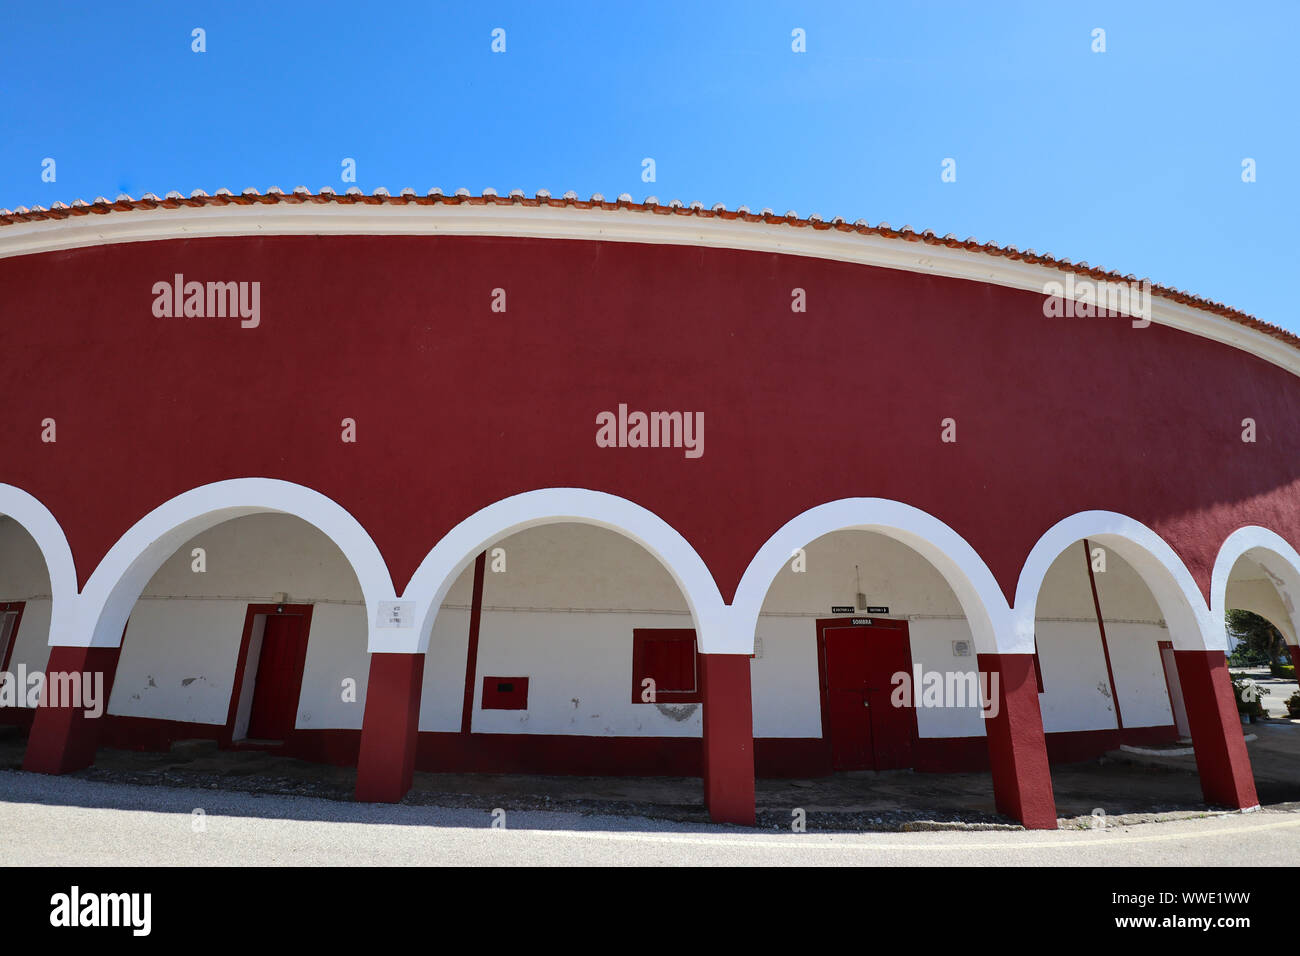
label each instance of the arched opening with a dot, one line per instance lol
(869, 592)
(1258, 571)
(535, 674)
(1131, 674)
(251, 635)
(225, 586)
(618, 533)
(869, 697)
(1256, 585)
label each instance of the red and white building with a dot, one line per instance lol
(396, 512)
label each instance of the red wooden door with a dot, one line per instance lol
(846, 698)
(888, 653)
(867, 732)
(278, 681)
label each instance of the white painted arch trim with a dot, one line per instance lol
(1273, 553)
(1191, 625)
(105, 604)
(460, 546)
(614, 225)
(48, 534)
(977, 590)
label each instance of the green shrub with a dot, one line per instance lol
(1246, 656)
(1285, 671)
(1293, 705)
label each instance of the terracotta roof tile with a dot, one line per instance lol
(381, 196)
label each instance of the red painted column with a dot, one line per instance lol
(1220, 745)
(728, 738)
(1022, 778)
(64, 738)
(386, 764)
(1295, 656)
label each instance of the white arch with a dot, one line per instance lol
(460, 546)
(48, 534)
(1273, 553)
(981, 598)
(116, 584)
(1191, 625)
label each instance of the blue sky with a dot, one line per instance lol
(1130, 159)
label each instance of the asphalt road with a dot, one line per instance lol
(68, 821)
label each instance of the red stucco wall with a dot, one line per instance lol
(457, 406)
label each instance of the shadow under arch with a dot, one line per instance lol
(458, 548)
(1191, 625)
(117, 582)
(977, 590)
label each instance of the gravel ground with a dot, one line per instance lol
(73, 821)
(1116, 790)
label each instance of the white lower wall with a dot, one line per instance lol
(178, 661)
(785, 681)
(336, 651)
(1139, 674)
(579, 670)
(443, 694)
(932, 648)
(1076, 690)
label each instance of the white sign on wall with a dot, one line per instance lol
(396, 614)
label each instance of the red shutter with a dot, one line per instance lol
(666, 655)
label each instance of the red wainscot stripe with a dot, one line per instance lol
(563, 754)
(153, 734)
(970, 754)
(1079, 745)
(559, 754)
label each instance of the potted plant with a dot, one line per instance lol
(1248, 694)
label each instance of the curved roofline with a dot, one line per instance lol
(36, 229)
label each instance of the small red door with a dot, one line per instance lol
(846, 698)
(278, 681)
(867, 732)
